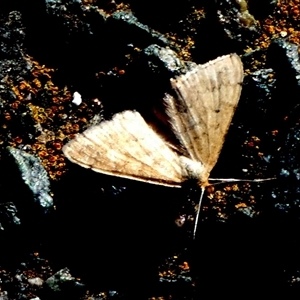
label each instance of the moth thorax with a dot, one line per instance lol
(193, 169)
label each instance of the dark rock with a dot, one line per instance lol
(237, 21)
(8, 215)
(260, 9)
(34, 176)
(12, 36)
(162, 59)
(4, 296)
(63, 284)
(133, 29)
(35, 281)
(284, 56)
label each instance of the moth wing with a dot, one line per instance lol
(201, 112)
(126, 147)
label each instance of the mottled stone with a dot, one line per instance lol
(34, 176)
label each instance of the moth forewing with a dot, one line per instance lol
(202, 108)
(126, 147)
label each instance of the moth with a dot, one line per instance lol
(199, 114)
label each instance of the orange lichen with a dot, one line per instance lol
(7, 116)
(233, 187)
(18, 140)
(184, 37)
(15, 105)
(39, 114)
(24, 85)
(185, 266)
(253, 142)
(284, 22)
(55, 100)
(57, 146)
(53, 109)
(43, 154)
(36, 146)
(37, 83)
(39, 70)
(241, 205)
(59, 173)
(52, 158)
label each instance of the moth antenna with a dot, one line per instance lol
(224, 180)
(198, 212)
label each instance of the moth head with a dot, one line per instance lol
(194, 170)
